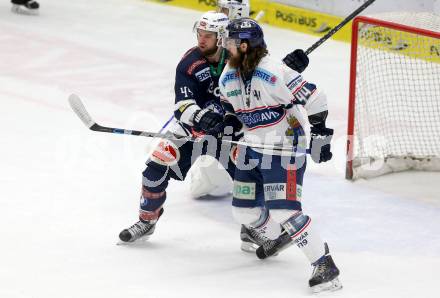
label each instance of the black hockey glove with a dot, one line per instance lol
(297, 60)
(233, 122)
(320, 143)
(209, 122)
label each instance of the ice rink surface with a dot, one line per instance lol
(66, 192)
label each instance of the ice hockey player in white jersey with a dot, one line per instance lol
(267, 97)
(29, 7)
(206, 176)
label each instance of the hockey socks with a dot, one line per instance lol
(296, 230)
(256, 233)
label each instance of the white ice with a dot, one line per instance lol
(66, 192)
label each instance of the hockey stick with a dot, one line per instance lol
(166, 124)
(339, 26)
(80, 110)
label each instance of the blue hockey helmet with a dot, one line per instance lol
(247, 29)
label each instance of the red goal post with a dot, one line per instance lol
(394, 98)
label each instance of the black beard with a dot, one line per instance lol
(237, 61)
(208, 53)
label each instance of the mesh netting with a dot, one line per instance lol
(397, 102)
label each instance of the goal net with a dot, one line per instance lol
(394, 108)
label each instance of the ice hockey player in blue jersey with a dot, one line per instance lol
(206, 178)
(198, 112)
(269, 99)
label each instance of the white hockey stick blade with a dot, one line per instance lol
(78, 107)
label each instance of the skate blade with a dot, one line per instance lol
(140, 240)
(18, 9)
(248, 247)
(330, 286)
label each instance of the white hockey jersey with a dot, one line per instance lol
(269, 107)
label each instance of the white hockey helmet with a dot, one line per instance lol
(213, 21)
(236, 9)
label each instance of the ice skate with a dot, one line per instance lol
(325, 275)
(140, 230)
(251, 239)
(273, 247)
(27, 7)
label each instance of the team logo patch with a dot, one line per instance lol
(295, 130)
(244, 190)
(274, 191)
(166, 153)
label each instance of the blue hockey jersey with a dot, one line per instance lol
(196, 87)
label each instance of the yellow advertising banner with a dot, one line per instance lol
(280, 15)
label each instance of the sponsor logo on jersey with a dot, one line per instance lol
(235, 92)
(293, 84)
(274, 191)
(203, 75)
(244, 190)
(265, 76)
(229, 76)
(194, 65)
(258, 118)
(214, 90)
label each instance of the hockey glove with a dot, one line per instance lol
(233, 122)
(320, 143)
(209, 122)
(297, 60)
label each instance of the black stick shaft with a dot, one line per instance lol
(339, 26)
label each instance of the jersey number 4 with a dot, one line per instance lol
(185, 90)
